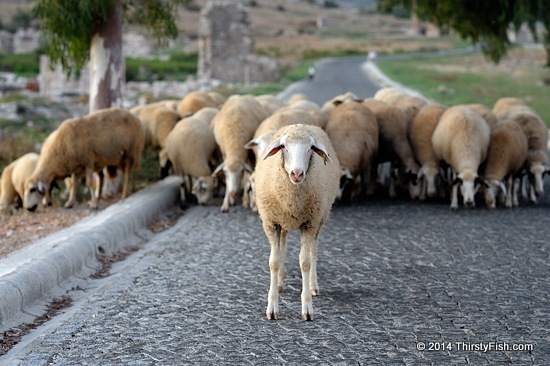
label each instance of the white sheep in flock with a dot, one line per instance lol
(12, 181)
(270, 102)
(265, 131)
(82, 146)
(505, 159)
(394, 145)
(194, 101)
(234, 125)
(296, 185)
(353, 130)
(461, 139)
(147, 115)
(420, 132)
(190, 146)
(537, 138)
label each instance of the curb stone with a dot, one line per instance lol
(30, 274)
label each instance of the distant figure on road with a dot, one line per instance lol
(372, 56)
(311, 72)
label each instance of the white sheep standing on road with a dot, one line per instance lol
(505, 159)
(296, 185)
(12, 181)
(234, 125)
(461, 139)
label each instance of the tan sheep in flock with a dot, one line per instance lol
(296, 183)
(353, 131)
(194, 101)
(234, 125)
(147, 116)
(82, 146)
(190, 148)
(420, 132)
(12, 181)
(486, 113)
(505, 159)
(461, 139)
(537, 138)
(389, 94)
(394, 146)
(270, 102)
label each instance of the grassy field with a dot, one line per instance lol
(472, 79)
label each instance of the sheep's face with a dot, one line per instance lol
(346, 185)
(297, 154)
(469, 185)
(34, 193)
(492, 191)
(428, 175)
(536, 178)
(203, 189)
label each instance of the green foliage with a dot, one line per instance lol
(330, 4)
(69, 25)
(24, 64)
(178, 67)
(483, 22)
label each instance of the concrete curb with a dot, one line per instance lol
(30, 274)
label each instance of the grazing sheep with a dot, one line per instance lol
(389, 94)
(164, 121)
(12, 181)
(420, 132)
(234, 125)
(189, 148)
(537, 137)
(146, 114)
(82, 146)
(295, 191)
(195, 101)
(410, 105)
(353, 131)
(394, 145)
(505, 159)
(461, 139)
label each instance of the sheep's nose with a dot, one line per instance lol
(32, 208)
(297, 175)
(469, 203)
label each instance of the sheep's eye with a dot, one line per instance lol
(32, 190)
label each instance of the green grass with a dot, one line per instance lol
(456, 80)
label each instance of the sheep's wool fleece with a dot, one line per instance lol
(280, 202)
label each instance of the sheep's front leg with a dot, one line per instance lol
(307, 248)
(454, 194)
(72, 191)
(91, 183)
(282, 271)
(276, 238)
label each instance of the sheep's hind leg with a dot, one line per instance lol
(277, 243)
(313, 285)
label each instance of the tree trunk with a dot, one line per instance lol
(107, 63)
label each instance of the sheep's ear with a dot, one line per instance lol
(456, 181)
(248, 168)
(482, 182)
(218, 171)
(420, 173)
(273, 148)
(321, 150)
(502, 188)
(336, 103)
(250, 144)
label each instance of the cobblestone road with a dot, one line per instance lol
(470, 286)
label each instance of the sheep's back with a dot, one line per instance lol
(421, 129)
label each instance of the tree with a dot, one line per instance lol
(78, 31)
(484, 22)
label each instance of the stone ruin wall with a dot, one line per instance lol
(226, 46)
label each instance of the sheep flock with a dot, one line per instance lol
(391, 145)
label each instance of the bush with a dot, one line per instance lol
(178, 67)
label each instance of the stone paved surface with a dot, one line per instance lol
(394, 275)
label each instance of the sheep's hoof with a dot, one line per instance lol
(314, 292)
(224, 209)
(307, 316)
(272, 316)
(280, 288)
